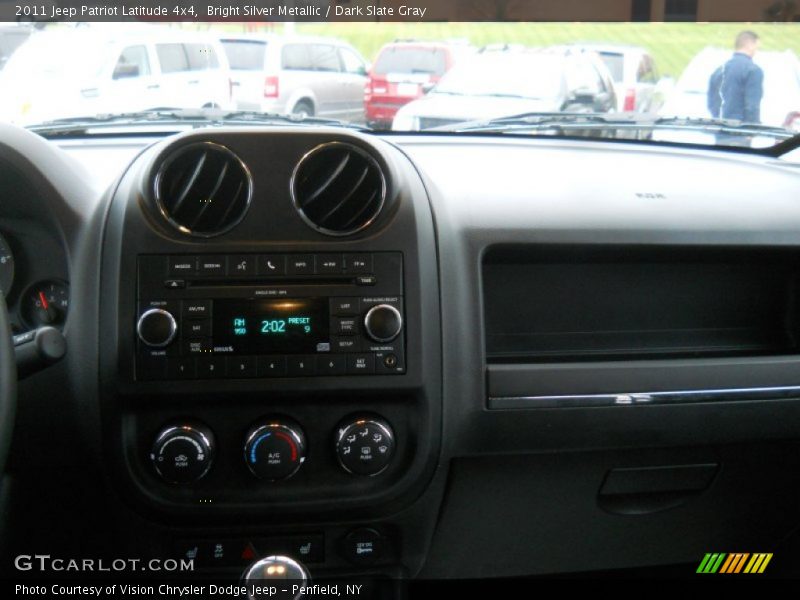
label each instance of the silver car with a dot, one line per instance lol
(302, 75)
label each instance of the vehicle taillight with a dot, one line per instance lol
(793, 121)
(630, 101)
(368, 90)
(271, 87)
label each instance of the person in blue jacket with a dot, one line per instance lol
(736, 88)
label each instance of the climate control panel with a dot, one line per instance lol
(274, 449)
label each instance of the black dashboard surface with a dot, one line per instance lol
(481, 490)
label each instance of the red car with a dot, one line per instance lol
(405, 71)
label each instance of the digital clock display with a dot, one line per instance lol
(276, 326)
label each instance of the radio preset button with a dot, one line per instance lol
(272, 366)
(271, 264)
(182, 266)
(181, 368)
(345, 306)
(210, 367)
(358, 263)
(241, 367)
(212, 266)
(196, 309)
(330, 264)
(301, 366)
(358, 364)
(331, 365)
(301, 264)
(241, 265)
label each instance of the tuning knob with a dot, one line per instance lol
(383, 322)
(183, 453)
(156, 328)
(275, 450)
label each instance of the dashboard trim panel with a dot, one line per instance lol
(642, 398)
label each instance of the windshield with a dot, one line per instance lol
(415, 75)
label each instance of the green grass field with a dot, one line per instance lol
(671, 44)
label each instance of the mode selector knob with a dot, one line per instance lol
(183, 453)
(365, 446)
(156, 328)
(383, 323)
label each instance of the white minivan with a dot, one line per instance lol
(90, 70)
(302, 75)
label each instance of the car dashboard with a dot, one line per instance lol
(400, 356)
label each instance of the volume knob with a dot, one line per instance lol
(156, 328)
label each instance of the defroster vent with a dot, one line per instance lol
(338, 189)
(203, 189)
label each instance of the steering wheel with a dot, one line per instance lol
(8, 384)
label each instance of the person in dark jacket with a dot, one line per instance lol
(736, 88)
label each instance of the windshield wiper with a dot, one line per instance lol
(179, 118)
(558, 121)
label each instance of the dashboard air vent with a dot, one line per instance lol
(203, 189)
(338, 189)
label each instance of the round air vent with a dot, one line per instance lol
(203, 189)
(338, 189)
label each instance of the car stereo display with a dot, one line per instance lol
(275, 326)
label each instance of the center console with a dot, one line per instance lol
(271, 348)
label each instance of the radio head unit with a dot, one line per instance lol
(246, 316)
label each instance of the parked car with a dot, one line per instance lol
(511, 80)
(636, 76)
(11, 38)
(781, 85)
(793, 121)
(297, 74)
(111, 69)
(405, 71)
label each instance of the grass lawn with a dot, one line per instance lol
(671, 44)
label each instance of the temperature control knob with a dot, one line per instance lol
(183, 453)
(275, 450)
(365, 446)
(383, 322)
(156, 328)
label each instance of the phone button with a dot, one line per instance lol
(272, 264)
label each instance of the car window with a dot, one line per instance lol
(615, 61)
(325, 58)
(133, 62)
(296, 57)
(351, 62)
(397, 59)
(581, 75)
(646, 73)
(172, 58)
(201, 57)
(245, 55)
